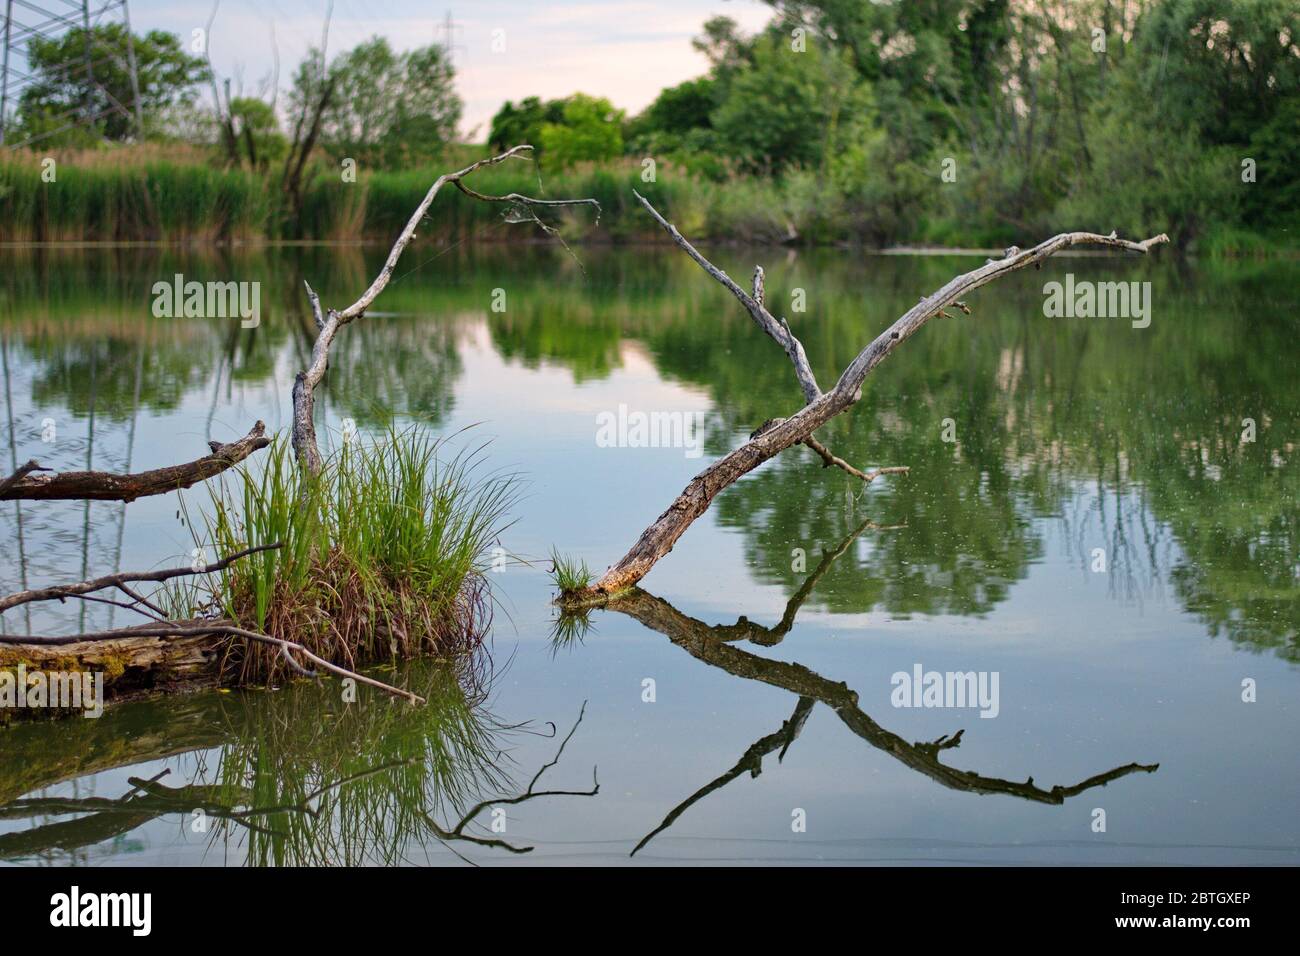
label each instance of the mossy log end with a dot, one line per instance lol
(162, 656)
(132, 664)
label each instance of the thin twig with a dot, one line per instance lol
(829, 459)
(779, 331)
(118, 581)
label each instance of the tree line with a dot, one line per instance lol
(945, 121)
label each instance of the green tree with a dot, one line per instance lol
(390, 109)
(61, 90)
(784, 105)
(258, 132)
(516, 125)
(591, 130)
(1227, 73)
(679, 117)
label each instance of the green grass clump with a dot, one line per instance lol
(384, 553)
(570, 574)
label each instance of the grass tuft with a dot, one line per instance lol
(570, 574)
(384, 553)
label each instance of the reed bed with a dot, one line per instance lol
(150, 194)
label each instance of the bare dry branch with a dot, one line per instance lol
(121, 581)
(658, 539)
(106, 486)
(329, 324)
(779, 331)
(829, 459)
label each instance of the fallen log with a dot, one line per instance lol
(133, 661)
(145, 652)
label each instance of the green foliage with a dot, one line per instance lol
(590, 130)
(570, 574)
(60, 90)
(516, 125)
(383, 553)
(258, 132)
(1149, 180)
(784, 108)
(388, 109)
(564, 132)
(132, 194)
(679, 119)
(682, 108)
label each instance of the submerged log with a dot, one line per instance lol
(132, 663)
(167, 653)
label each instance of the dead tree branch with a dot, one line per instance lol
(829, 459)
(123, 580)
(658, 539)
(331, 321)
(777, 330)
(106, 486)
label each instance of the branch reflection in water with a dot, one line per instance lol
(712, 644)
(290, 778)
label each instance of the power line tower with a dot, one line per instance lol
(448, 29)
(28, 21)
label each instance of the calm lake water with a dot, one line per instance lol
(1098, 535)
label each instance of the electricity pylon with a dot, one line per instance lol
(28, 20)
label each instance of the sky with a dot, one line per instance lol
(626, 50)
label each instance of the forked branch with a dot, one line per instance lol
(779, 434)
(329, 322)
(777, 330)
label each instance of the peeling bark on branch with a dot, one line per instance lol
(660, 537)
(105, 486)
